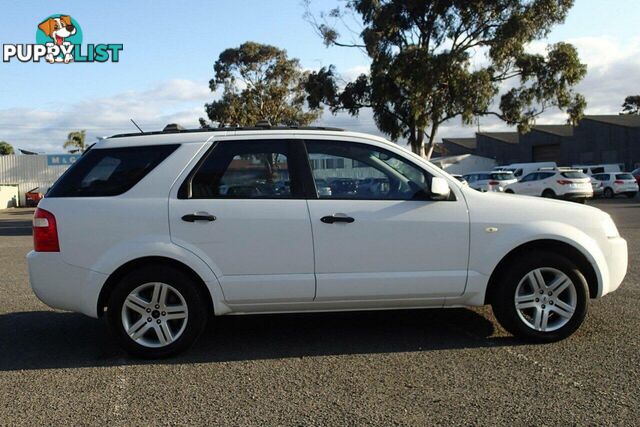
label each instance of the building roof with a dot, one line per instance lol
(626, 120)
(508, 137)
(560, 130)
(469, 143)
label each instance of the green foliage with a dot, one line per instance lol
(75, 142)
(631, 105)
(5, 148)
(435, 60)
(259, 82)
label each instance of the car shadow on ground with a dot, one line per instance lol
(48, 339)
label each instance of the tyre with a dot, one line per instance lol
(549, 194)
(542, 297)
(608, 193)
(509, 191)
(156, 312)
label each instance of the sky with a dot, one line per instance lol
(170, 47)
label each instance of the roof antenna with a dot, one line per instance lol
(136, 125)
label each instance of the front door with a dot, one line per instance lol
(377, 236)
(243, 211)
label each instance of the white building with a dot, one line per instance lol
(27, 172)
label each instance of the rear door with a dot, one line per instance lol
(242, 210)
(389, 243)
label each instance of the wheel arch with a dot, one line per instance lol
(547, 245)
(138, 263)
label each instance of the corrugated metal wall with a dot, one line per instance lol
(28, 172)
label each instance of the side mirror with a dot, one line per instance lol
(439, 189)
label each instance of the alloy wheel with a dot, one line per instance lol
(545, 299)
(154, 314)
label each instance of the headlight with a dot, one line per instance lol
(610, 229)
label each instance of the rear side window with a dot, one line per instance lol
(574, 175)
(501, 176)
(245, 170)
(109, 171)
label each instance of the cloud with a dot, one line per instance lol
(43, 130)
(613, 67)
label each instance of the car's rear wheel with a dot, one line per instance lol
(509, 191)
(156, 312)
(608, 193)
(549, 194)
(542, 297)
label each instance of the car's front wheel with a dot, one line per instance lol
(542, 297)
(156, 312)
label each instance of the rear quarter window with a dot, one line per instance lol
(109, 171)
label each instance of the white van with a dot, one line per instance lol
(604, 168)
(521, 169)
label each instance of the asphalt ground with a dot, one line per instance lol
(418, 367)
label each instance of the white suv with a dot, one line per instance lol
(491, 180)
(614, 184)
(159, 231)
(568, 184)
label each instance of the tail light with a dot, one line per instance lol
(45, 232)
(564, 182)
(618, 181)
(494, 183)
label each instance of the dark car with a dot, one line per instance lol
(343, 187)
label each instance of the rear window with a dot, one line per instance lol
(109, 171)
(624, 176)
(574, 175)
(502, 176)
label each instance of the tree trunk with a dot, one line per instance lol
(432, 142)
(417, 143)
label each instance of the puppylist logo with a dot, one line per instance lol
(59, 41)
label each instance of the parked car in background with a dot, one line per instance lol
(521, 169)
(150, 243)
(490, 180)
(322, 186)
(33, 196)
(636, 175)
(460, 178)
(598, 188)
(594, 169)
(561, 183)
(617, 183)
(343, 186)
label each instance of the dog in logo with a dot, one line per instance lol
(58, 29)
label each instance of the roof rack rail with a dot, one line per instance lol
(260, 126)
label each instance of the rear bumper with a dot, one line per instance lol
(64, 286)
(576, 196)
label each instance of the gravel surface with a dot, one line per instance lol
(419, 367)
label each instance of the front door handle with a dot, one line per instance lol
(199, 216)
(337, 218)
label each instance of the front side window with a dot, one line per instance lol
(244, 170)
(364, 172)
(109, 171)
(529, 177)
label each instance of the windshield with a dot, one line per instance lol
(624, 176)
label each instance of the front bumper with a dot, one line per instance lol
(64, 286)
(617, 260)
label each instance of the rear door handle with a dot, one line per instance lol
(337, 218)
(199, 216)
